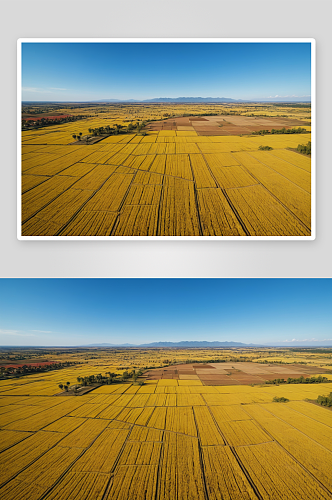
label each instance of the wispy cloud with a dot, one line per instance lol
(282, 96)
(56, 88)
(307, 340)
(16, 332)
(35, 89)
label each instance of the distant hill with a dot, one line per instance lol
(193, 99)
(184, 100)
(175, 99)
(225, 344)
(193, 343)
(183, 344)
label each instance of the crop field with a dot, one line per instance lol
(177, 436)
(208, 178)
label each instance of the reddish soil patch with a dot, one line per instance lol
(222, 382)
(182, 121)
(232, 125)
(237, 374)
(213, 132)
(199, 366)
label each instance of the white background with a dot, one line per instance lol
(159, 18)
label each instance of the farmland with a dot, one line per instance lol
(186, 170)
(181, 435)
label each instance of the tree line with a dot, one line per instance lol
(304, 148)
(283, 130)
(325, 400)
(44, 122)
(300, 380)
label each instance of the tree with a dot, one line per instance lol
(74, 136)
(112, 376)
(304, 149)
(61, 386)
(280, 400)
(68, 383)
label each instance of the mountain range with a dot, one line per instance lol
(179, 100)
(201, 100)
(216, 344)
(176, 99)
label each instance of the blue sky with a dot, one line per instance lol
(84, 311)
(92, 71)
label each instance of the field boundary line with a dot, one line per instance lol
(206, 494)
(116, 222)
(246, 473)
(116, 461)
(285, 421)
(271, 168)
(232, 449)
(161, 201)
(82, 206)
(293, 163)
(274, 440)
(160, 462)
(196, 198)
(275, 197)
(237, 215)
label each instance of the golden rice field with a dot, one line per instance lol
(212, 443)
(167, 439)
(166, 183)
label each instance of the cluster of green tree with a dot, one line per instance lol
(110, 378)
(36, 111)
(17, 357)
(117, 129)
(325, 400)
(285, 105)
(266, 361)
(300, 380)
(280, 399)
(239, 359)
(153, 367)
(265, 148)
(318, 350)
(65, 386)
(283, 130)
(304, 148)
